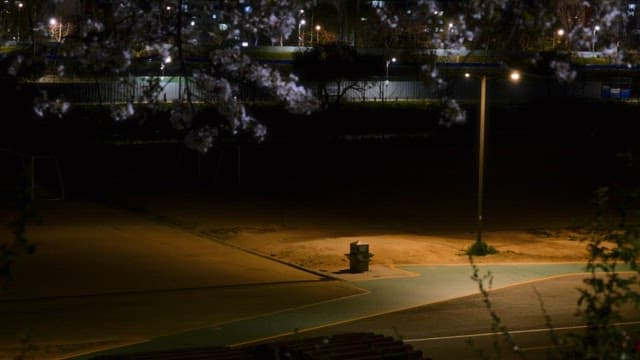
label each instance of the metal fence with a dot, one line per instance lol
(173, 88)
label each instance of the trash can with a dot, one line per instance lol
(359, 257)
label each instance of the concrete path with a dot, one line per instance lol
(432, 284)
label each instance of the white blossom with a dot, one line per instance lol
(164, 33)
(122, 112)
(43, 106)
(453, 114)
(201, 139)
(563, 71)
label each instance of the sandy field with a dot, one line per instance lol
(329, 254)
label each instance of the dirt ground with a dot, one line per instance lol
(329, 254)
(320, 239)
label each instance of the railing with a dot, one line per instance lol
(366, 90)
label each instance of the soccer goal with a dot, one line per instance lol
(38, 176)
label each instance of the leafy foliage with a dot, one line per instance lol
(481, 248)
(614, 247)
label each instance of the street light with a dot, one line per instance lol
(20, 5)
(318, 28)
(300, 38)
(53, 23)
(389, 61)
(386, 77)
(593, 39)
(480, 246)
(560, 34)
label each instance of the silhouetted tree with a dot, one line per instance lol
(336, 69)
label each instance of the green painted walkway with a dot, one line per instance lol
(433, 284)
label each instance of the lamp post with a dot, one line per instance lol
(53, 23)
(386, 76)
(389, 61)
(318, 28)
(300, 37)
(560, 34)
(481, 143)
(481, 248)
(20, 5)
(594, 38)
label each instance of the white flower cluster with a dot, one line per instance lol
(453, 114)
(145, 33)
(220, 85)
(201, 139)
(43, 106)
(122, 112)
(563, 71)
(298, 99)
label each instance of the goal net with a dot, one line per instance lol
(35, 176)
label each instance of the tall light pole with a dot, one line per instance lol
(386, 76)
(20, 5)
(560, 34)
(300, 38)
(53, 23)
(318, 28)
(480, 246)
(594, 37)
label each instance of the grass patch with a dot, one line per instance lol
(480, 248)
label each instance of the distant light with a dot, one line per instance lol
(303, 21)
(167, 60)
(560, 32)
(223, 27)
(214, 16)
(248, 9)
(245, 44)
(168, 8)
(20, 5)
(597, 28)
(363, 19)
(193, 23)
(52, 21)
(467, 75)
(318, 27)
(393, 59)
(515, 75)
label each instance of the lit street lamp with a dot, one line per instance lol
(300, 37)
(20, 5)
(559, 34)
(386, 76)
(53, 24)
(389, 61)
(514, 76)
(318, 28)
(594, 38)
